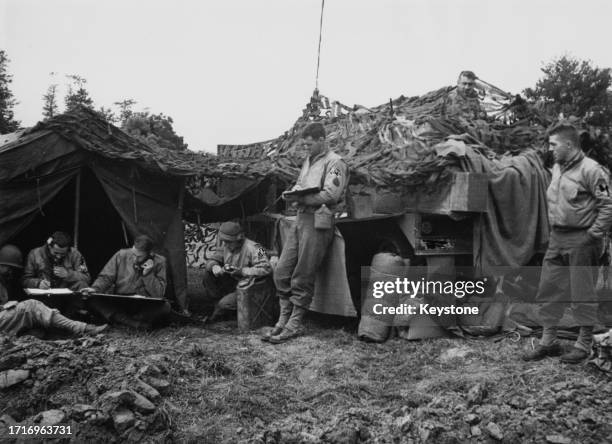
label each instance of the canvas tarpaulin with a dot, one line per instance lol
(149, 204)
(515, 225)
(38, 167)
(332, 294)
(30, 176)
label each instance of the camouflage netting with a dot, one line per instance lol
(393, 145)
(92, 132)
(388, 146)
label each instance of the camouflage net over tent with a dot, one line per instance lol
(393, 145)
(90, 131)
(388, 146)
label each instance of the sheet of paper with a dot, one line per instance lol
(39, 291)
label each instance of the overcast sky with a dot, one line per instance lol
(241, 71)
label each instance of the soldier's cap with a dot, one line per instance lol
(230, 231)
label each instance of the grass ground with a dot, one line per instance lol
(328, 386)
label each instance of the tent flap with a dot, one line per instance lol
(149, 204)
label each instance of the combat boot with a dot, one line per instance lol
(542, 351)
(293, 328)
(286, 308)
(91, 329)
(574, 356)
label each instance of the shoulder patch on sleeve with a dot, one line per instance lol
(335, 171)
(261, 252)
(602, 187)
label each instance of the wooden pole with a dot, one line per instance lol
(77, 210)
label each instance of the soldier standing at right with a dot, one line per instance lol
(580, 214)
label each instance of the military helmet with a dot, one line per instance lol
(11, 255)
(230, 231)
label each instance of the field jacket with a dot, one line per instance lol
(251, 259)
(39, 266)
(122, 275)
(579, 196)
(329, 173)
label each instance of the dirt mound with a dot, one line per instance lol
(79, 383)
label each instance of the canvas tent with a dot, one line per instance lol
(79, 174)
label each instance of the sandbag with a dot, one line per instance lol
(376, 327)
(492, 313)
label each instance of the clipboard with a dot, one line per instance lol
(60, 293)
(48, 292)
(302, 192)
(131, 297)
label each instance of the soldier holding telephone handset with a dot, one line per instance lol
(132, 271)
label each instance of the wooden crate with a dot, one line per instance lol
(469, 192)
(466, 192)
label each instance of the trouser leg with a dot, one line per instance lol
(313, 245)
(229, 302)
(585, 339)
(103, 308)
(583, 267)
(218, 290)
(282, 276)
(226, 304)
(553, 290)
(286, 308)
(113, 311)
(549, 335)
(286, 263)
(296, 319)
(60, 321)
(16, 319)
(216, 287)
(151, 313)
(31, 314)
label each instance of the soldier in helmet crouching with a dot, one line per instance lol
(237, 261)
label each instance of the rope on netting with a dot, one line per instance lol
(319, 49)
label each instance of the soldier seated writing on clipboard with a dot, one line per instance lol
(57, 264)
(132, 271)
(19, 317)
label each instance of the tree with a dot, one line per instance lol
(125, 109)
(155, 130)
(8, 123)
(77, 94)
(107, 114)
(50, 107)
(574, 88)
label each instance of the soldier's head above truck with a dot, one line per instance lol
(563, 141)
(466, 82)
(313, 138)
